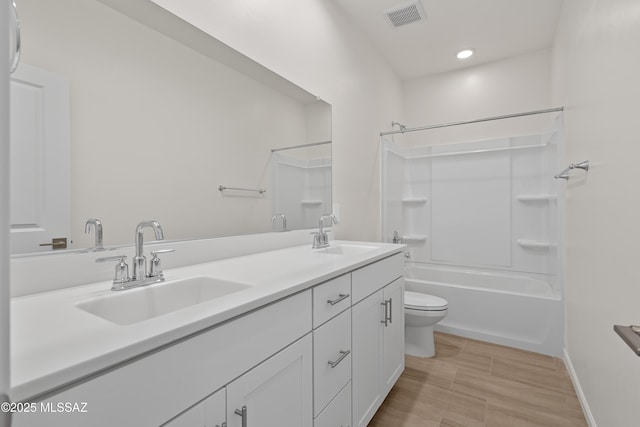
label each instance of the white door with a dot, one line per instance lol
(40, 159)
(276, 393)
(393, 355)
(367, 345)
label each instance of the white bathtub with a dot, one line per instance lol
(515, 309)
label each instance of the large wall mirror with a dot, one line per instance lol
(164, 123)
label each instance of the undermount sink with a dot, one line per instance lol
(135, 305)
(346, 249)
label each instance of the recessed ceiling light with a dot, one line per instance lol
(465, 53)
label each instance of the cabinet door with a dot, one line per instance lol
(367, 346)
(393, 354)
(211, 412)
(276, 393)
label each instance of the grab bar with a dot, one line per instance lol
(565, 173)
(257, 190)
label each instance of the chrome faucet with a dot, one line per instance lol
(320, 239)
(284, 221)
(140, 277)
(139, 261)
(96, 224)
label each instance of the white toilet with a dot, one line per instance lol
(421, 313)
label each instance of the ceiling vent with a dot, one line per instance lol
(406, 13)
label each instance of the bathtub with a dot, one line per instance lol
(514, 309)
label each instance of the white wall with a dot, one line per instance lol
(513, 85)
(596, 69)
(311, 44)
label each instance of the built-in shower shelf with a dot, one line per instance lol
(414, 200)
(414, 238)
(310, 202)
(535, 244)
(536, 197)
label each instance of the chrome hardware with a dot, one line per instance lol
(221, 188)
(396, 237)
(341, 297)
(387, 312)
(97, 225)
(343, 354)
(284, 222)
(139, 261)
(155, 269)
(385, 322)
(14, 38)
(320, 239)
(243, 413)
(565, 173)
(57, 243)
(139, 277)
(390, 300)
(122, 271)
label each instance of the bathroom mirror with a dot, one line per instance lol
(167, 123)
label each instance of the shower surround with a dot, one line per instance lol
(481, 221)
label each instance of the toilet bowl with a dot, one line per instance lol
(421, 313)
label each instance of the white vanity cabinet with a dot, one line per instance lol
(332, 349)
(378, 335)
(211, 412)
(325, 356)
(153, 389)
(275, 393)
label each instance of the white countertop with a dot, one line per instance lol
(54, 343)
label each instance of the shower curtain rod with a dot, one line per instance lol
(312, 144)
(486, 119)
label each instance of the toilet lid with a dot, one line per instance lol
(419, 301)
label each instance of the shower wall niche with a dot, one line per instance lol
(487, 204)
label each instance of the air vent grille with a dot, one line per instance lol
(405, 14)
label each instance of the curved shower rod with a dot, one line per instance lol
(404, 129)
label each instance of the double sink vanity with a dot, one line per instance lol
(287, 337)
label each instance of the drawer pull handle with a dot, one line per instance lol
(343, 354)
(341, 297)
(243, 413)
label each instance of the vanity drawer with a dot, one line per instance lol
(332, 359)
(331, 298)
(338, 412)
(368, 279)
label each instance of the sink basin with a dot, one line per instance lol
(346, 249)
(135, 305)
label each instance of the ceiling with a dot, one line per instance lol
(496, 29)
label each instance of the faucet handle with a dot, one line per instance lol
(122, 269)
(155, 270)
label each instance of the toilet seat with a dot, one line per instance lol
(423, 302)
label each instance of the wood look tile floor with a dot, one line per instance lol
(472, 383)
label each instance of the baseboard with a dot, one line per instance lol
(576, 384)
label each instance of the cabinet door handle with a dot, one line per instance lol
(343, 354)
(390, 301)
(243, 413)
(341, 297)
(385, 321)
